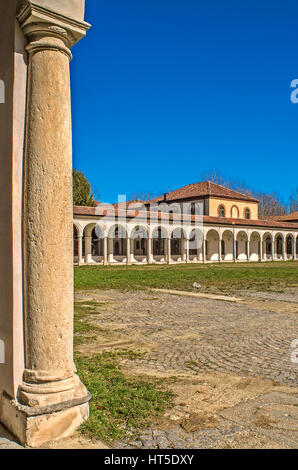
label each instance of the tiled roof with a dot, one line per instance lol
(126, 204)
(203, 189)
(287, 217)
(101, 211)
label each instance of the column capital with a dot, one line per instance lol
(49, 29)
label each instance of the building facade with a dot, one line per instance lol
(198, 223)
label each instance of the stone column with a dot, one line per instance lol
(149, 250)
(204, 250)
(128, 249)
(187, 249)
(219, 249)
(234, 249)
(199, 251)
(110, 250)
(88, 249)
(284, 256)
(168, 250)
(51, 400)
(248, 249)
(105, 251)
(80, 249)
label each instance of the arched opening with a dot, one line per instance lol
(139, 244)
(159, 237)
(227, 246)
(97, 244)
(87, 243)
(255, 247)
(196, 238)
(235, 212)
(247, 213)
(176, 244)
(242, 246)
(212, 246)
(290, 246)
(267, 246)
(221, 211)
(279, 241)
(117, 244)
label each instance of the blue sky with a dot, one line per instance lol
(165, 91)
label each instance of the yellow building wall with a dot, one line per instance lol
(231, 205)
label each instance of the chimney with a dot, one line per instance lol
(165, 196)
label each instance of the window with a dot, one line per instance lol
(247, 214)
(221, 211)
(223, 248)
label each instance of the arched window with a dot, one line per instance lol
(234, 212)
(247, 213)
(221, 211)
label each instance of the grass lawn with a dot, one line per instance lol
(213, 277)
(119, 404)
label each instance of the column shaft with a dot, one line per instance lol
(128, 250)
(80, 249)
(48, 218)
(105, 251)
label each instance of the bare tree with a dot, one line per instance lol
(217, 178)
(293, 201)
(269, 205)
(143, 196)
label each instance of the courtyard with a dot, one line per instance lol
(186, 356)
(222, 352)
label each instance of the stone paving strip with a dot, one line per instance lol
(198, 295)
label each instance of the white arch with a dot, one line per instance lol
(138, 243)
(242, 245)
(268, 245)
(138, 231)
(178, 232)
(88, 229)
(160, 230)
(78, 227)
(227, 245)
(212, 238)
(255, 240)
(278, 254)
(290, 236)
(122, 231)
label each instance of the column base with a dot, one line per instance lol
(36, 426)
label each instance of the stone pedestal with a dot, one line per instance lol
(51, 401)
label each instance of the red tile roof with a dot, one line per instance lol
(108, 210)
(201, 190)
(288, 217)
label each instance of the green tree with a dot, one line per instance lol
(82, 195)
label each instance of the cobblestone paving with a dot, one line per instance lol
(226, 435)
(188, 335)
(205, 335)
